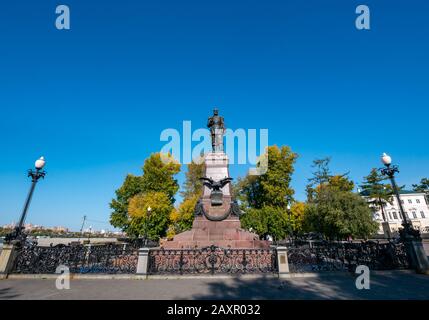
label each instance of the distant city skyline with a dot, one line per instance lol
(94, 99)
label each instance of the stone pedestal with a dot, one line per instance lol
(7, 258)
(216, 168)
(225, 234)
(418, 256)
(143, 262)
(282, 262)
(217, 225)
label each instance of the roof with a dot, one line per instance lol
(365, 193)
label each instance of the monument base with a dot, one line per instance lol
(225, 234)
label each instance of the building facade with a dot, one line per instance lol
(416, 208)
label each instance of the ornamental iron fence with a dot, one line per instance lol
(106, 259)
(316, 256)
(212, 260)
(337, 256)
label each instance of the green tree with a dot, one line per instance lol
(182, 217)
(248, 192)
(339, 214)
(272, 188)
(423, 186)
(158, 176)
(193, 185)
(320, 176)
(268, 220)
(149, 213)
(378, 193)
(333, 209)
(297, 215)
(341, 183)
(119, 217)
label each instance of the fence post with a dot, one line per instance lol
(7, 258)
(282, 262)
(143, 262)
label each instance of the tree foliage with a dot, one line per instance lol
(423, 186)
(322, 178)
(272, 188)
(378, 193)
(193, 185)
(340, 214)
(182, 217)
(268, 220)
(265, 198)
(150, 223)
(333, 209)
(297, 215)
(158, 176)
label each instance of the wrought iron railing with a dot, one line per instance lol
(122, 259)
(110, 259)
(212, 260)
(328, 256)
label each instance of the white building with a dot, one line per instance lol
(416, 208)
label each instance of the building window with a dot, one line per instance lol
(402, 201)
(409, 201)
(414, 215)
(418, 200)
(390, 216)
(422, 214)
(394, 215)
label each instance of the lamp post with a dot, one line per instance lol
(409, 236)
(390, 171)
(35, 176)
(149, 209)
(89, 233)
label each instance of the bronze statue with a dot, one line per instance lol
(217, 129)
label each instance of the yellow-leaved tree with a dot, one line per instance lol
(149, 214)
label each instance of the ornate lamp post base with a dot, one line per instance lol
(414, 247)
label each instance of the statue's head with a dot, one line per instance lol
(215, 111)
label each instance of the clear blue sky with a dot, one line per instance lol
(93, 100)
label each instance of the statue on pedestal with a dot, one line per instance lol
(217, 213)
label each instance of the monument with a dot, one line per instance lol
(217, 213)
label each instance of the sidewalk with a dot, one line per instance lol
(384, 285)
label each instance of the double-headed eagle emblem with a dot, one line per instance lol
(215, 185)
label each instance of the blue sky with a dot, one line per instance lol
(94, 99)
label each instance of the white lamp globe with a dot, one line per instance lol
(149, 209)
(40, 163)
(386, 159)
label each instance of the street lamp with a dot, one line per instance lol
(35, 175)
(390, 171)
(409, 236)
(149, 209)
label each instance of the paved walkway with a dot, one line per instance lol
(384, 285)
